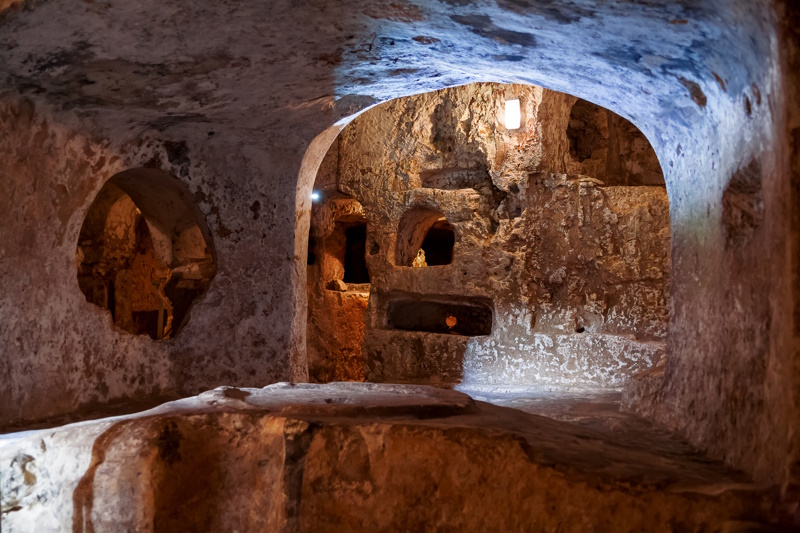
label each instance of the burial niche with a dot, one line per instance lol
(144, 253)
(424, 238)
(467, 319)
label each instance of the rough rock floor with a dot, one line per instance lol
(371, 457)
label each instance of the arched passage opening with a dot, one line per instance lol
(560, 275)
(144, 253)
(424, 238)
(338, 284)
(605, 146)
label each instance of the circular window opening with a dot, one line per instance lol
(144, 253)
(424, 238)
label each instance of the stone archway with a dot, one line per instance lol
(570, 256)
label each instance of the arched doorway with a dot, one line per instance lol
(557, 228)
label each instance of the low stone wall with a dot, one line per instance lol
(354, 457)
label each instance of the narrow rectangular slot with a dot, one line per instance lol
(471, 319)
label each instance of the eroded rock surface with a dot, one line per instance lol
(573, 269)
(232, 101)
(355, 457)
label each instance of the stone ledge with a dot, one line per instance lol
(354, 457)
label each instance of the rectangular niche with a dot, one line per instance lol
(460, 318)
(355, 263)
(455, 178)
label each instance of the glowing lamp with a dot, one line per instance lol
(513, 115)
(315, 196)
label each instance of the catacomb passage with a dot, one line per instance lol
(142, 253)
(560, 226)
(338, 285)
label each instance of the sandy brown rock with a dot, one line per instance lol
(355, 457)
(231, 103)
(576, 272)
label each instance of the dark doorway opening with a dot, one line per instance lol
(438, 243)
(355, 264)
(424, 238)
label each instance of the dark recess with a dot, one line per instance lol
(438, 244)
(355, 266)
(413, 315)
(182, 293)
(311, 258)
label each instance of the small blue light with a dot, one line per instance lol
(315, 196)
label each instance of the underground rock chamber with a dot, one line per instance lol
(546, 230)
(144, 253)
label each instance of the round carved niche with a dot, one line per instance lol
(424, 238)
(144, 252)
